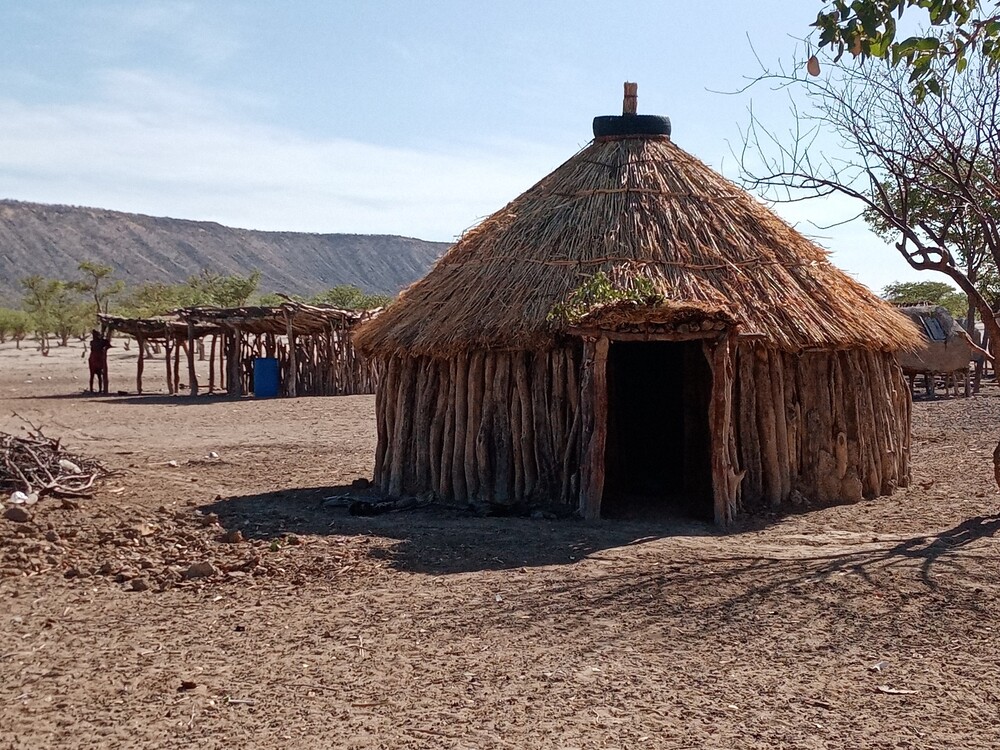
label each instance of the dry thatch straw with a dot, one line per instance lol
(647, 215)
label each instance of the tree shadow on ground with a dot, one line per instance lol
(734, 587)
(437, 539)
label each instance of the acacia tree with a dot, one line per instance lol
(892, 153)
(39, 302)
(936, 292)
(958, 229)
(224, 291)
(98, 282)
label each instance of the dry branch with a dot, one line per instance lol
(34, 463)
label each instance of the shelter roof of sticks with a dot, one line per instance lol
(638, 225)
(304, 320)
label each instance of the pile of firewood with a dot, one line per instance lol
(35, 464)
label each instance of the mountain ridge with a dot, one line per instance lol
(51, 239)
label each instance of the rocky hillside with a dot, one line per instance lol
(51, 240)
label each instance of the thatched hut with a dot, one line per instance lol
(633, 334)
(946, 349)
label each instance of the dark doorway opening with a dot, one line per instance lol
(658, 451)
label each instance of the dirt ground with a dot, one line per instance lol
(869, 626)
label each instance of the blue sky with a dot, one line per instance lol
(385, 117)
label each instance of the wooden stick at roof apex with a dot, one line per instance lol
(630, 105)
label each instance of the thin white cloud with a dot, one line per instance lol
(183, 28)
(155, 146)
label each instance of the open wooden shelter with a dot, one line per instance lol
(311, 344)
(636, 335)
(174, 335)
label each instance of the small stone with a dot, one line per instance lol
(71, 573)
(145, 563)
(292, 539)
(235, 536)
(209, 519)
(52, 536)
(202, 569)
(107, 569)
(17, 514)
(140, 584)
(68, 504)
(69, 466)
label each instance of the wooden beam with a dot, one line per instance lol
(726, 479)
(140, 365)
(644, 336)
(166, 349)
(192, 374)
(594, 414)
(292, 365)
(234, 352)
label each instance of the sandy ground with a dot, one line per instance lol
(872, 625)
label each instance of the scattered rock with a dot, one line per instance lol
(52, 536)
(67, 465)
(108, 568)
(202, 569)
(17, 514)
(235, 536)
(140, 584)
(210, 519)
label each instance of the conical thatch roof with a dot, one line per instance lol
(649, 216)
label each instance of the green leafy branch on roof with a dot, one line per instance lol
(601, 291)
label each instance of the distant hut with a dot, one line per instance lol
(635, 334)
(946, 349)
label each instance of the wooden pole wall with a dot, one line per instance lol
(820, 427)
(465, 428)
(528, 427)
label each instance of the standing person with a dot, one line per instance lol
(98, 361)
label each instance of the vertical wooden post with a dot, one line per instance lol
(166, 358)
(234, 385)
(725, 479)
(223, 353)
(192, 375)
(211, 365)
(292, 367)
(594, 413)
(177, 365)
(140, 364)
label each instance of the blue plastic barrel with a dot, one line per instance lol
(265, 377)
